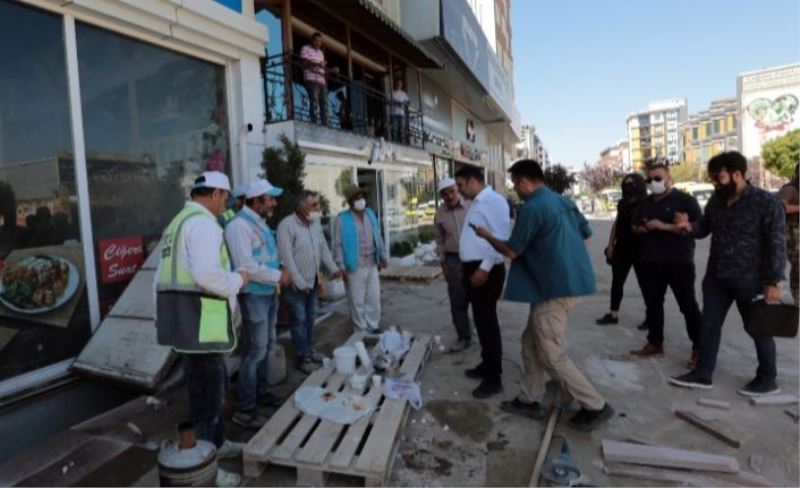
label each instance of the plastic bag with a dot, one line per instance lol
(399, 389)
(341, 407)
(333, 290)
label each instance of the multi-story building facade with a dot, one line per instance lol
(615, 157)
(531, 146)
(656, 132)
(710, 132)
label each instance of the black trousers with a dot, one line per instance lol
(680, 278)
(206, 381)
(623, 260)
(484, 312)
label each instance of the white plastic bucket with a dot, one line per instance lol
(345, 358)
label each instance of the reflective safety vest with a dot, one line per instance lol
(188, 318)
(226, 217)
(266, 254)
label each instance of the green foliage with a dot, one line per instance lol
(426, 234)
(558, 178)
(599, 177)
(782, 154)
(401, 249)
(284, 166)
(687, 171)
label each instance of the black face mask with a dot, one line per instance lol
(725, 191)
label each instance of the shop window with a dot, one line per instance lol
(410, 204)
(153, 120)
(44, 313)
(331, 183)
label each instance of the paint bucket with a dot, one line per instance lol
(345, 358)
(188, 462)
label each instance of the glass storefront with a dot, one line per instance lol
(330, 182)
(410, 203)
(152, 120)
(44, 313)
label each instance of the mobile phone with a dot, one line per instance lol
(473, 226)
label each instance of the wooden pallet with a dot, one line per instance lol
(425, 274)
(317, 448)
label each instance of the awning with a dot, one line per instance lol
(368, 20)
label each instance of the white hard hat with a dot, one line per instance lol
(445, 183)
(213, 179)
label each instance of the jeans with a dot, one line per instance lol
(459, 303)
(680, 278)
(484, 310)
(718, 296)
(364, 295)
(398, 127)
(621, 263)
(303, 308)
(206, 382)
(259, 316)
(317, 98)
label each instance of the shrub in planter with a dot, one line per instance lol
(426, 234)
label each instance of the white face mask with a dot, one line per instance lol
(657, 187)
(360, 204)
(315, 216)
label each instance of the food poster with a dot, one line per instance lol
(42, 284)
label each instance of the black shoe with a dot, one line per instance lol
(488, 388)
(270, 399)
(692, 380)
(607, 319)
(249, 420)
(642, 326)
(759, 387)
(533, 410)
(587, 420)
(476, 373)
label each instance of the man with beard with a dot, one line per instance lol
(748, 257)
(254, 249)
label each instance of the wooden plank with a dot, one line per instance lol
(708, 402)
(773, 400)
(343, 456)
(679, 478)
(544, 446)
(667, 457)
(707, 428)
(374, 457)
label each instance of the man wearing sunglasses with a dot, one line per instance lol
(747, 257)
(667, 258)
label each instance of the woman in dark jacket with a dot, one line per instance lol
(623, 251)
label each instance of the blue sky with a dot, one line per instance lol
(581, 66)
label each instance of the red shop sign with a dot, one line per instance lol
(120, 259)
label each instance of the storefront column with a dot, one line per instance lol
(81, 174)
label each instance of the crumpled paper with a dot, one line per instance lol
(340, 407)
(395, 343)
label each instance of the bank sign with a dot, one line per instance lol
(464, 34)
(120, 259)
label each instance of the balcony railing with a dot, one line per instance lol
(341, 103)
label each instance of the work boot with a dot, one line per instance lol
(270, 399)
(476, 373)
(487, 388)
(587, 420)
(692, 380)
(226, 478)
(249, 420)
(607, 319)
(648, 350)
(759, 387)
(230, 449)
(459, 345)
(306, 365)
(533, 410)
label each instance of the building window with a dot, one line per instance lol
(44, 320)
(717, 127)
(694, 134)
(153, 120)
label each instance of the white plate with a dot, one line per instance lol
(72, 286)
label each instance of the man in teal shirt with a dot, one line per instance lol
(550, 268)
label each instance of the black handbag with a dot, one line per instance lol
(772, 319)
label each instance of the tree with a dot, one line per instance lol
(284, 165)
(599, 177)
(558, 178)
(782, 154)
(687, 171)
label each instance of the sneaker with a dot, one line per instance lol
(476, 373)
(230, 449)
(642, 326)
(488, 388)
(306, 365)
(533, 410)
(249, 420)
(270, 399)
(648, 350)
(226, 478)
(607, 319)
(587, 420)
(692, 380)
(459, 345)
(759, 387)
(317, 357)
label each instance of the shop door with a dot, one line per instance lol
(372, 181)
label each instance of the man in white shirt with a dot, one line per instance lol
(195, 299)
(254, 248)
(399, 107)
(484, 274)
